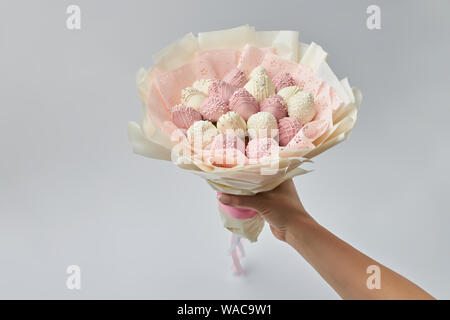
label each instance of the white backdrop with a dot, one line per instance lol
(72, 192)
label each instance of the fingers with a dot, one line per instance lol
(253, 202)
(261, 202)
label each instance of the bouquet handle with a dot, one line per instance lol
(236, 247)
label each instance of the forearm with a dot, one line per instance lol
(343, 267)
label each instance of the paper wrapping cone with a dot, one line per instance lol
(248, 228)
(211, 54)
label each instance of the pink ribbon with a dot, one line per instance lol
(237, 213)
(237, 252)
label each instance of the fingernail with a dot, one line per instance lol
(225, 199)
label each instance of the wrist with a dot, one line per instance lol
(297, 229)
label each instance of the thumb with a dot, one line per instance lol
(252, 202)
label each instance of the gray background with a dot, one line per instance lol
(72, 192)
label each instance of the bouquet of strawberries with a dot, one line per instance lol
(243, 110)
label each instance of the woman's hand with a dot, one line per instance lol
(341, 265)
(280, 207)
